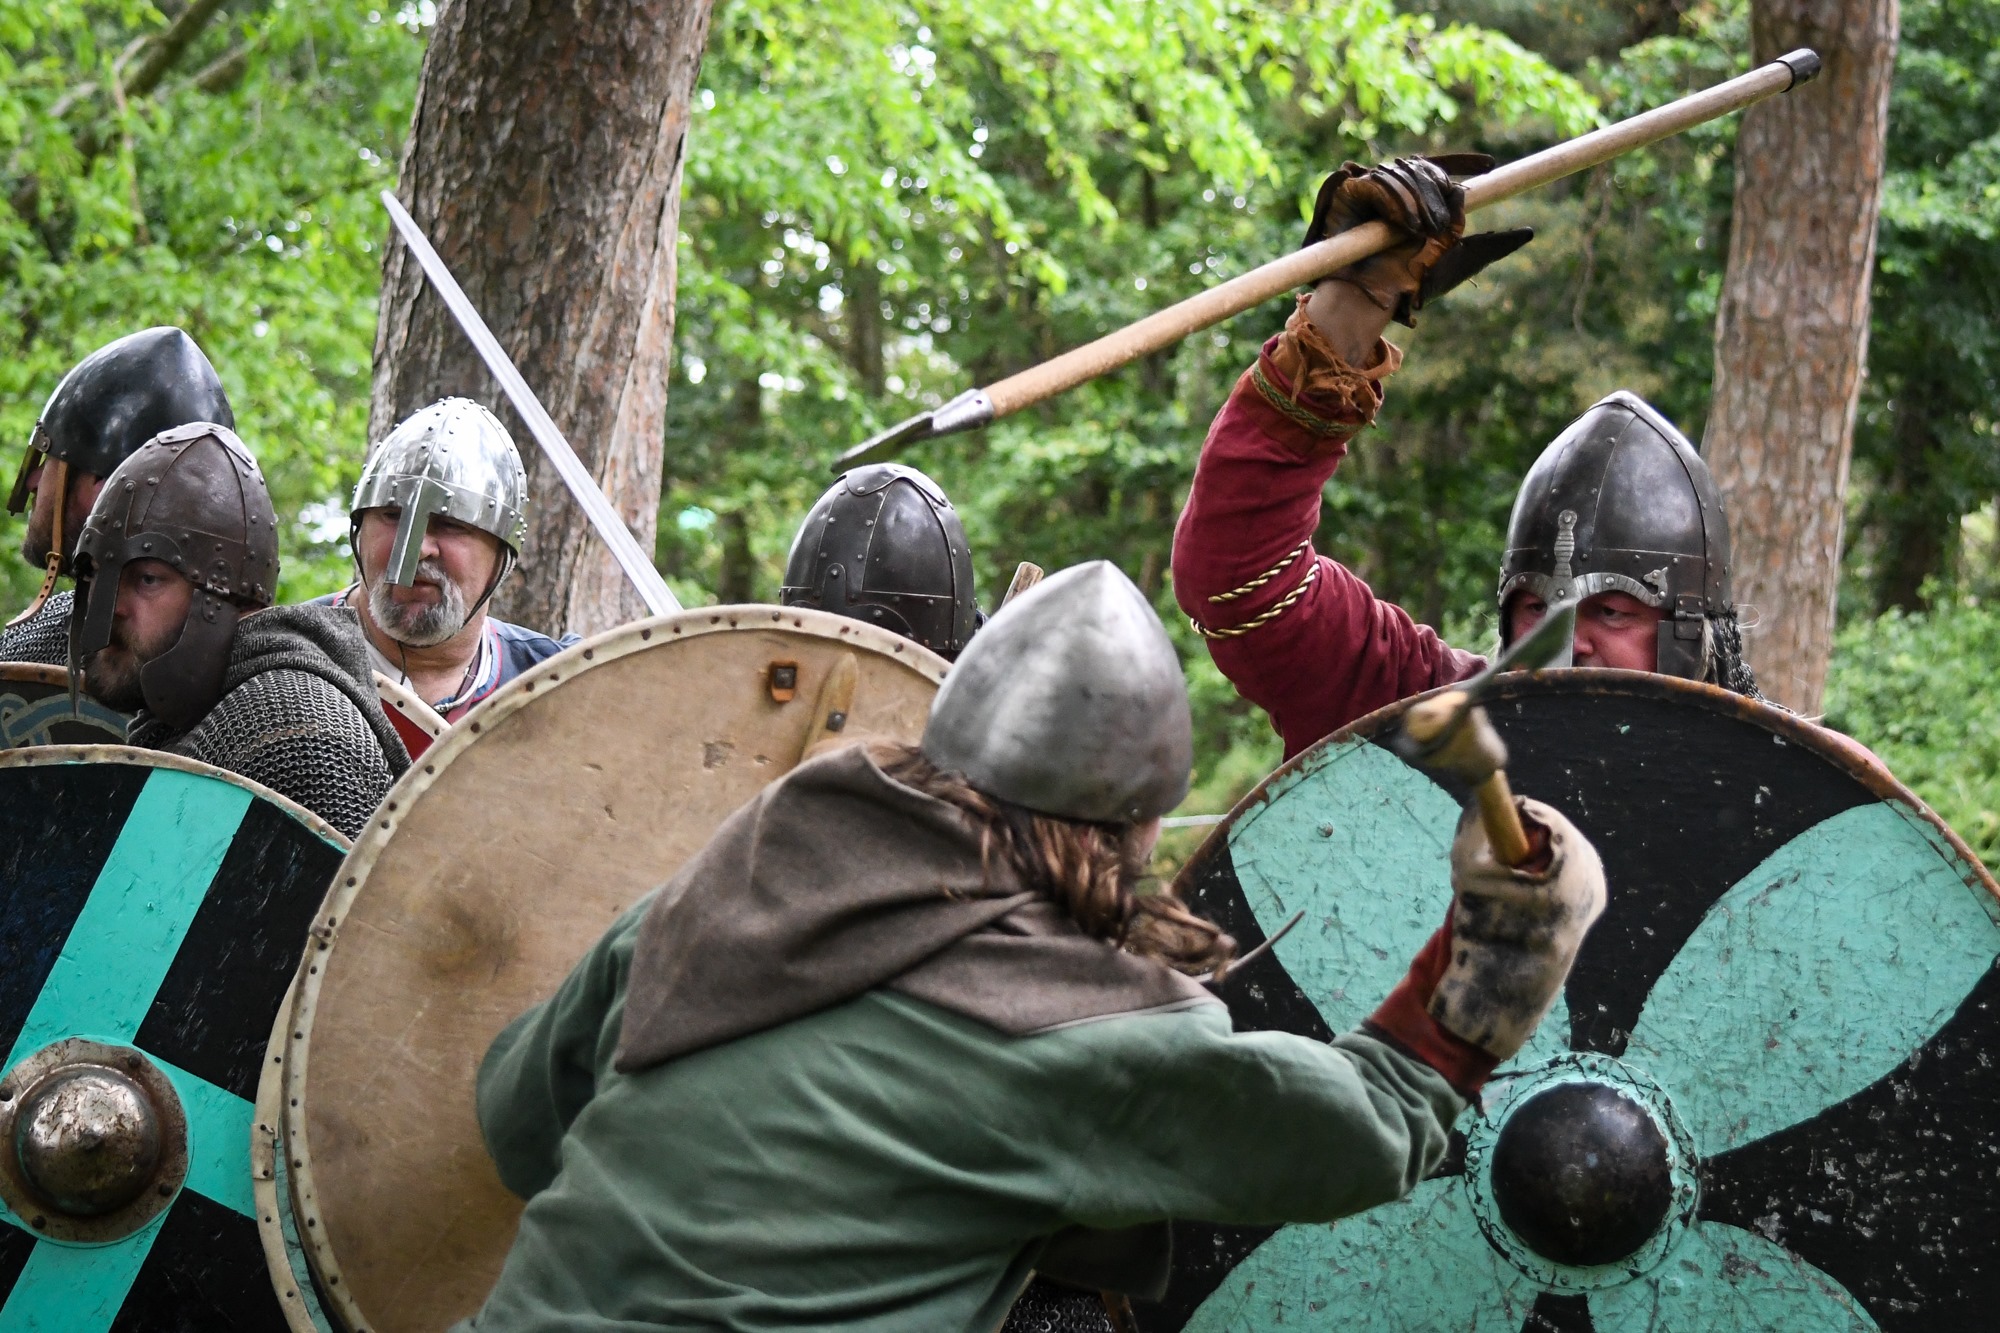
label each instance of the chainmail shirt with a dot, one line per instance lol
(44, 638)
(1049, 1307)
(298, 714)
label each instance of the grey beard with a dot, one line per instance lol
(419, 625)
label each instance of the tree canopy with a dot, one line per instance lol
(887, 203)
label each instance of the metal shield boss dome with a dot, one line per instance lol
(883, 545)
(1621, 502)
(119, 397)
(452, 458)
(193, 498)
(1071, 703)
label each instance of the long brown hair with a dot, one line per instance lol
(1095, 872)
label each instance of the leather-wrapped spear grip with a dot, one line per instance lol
(1302, 268)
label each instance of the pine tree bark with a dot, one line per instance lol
(544, 162)
(1792, 328)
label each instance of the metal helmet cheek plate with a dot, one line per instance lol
(452, 458)
(193, 498)
(885, 546)
(119, 397)
(1621, 502)
(1070, 702)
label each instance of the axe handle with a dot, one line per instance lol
(1502, 820)
(1302, 268)
(1026, 576)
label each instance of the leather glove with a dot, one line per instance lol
(1514, 934)
(1415, 195)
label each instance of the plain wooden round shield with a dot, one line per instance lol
(492, 866)
(1794, 984)
(36, 709)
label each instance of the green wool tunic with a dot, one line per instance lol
(886, 1165)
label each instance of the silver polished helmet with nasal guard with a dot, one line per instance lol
(1070, 702)
(452, 458)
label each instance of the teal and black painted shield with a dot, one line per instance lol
(152, 914)
(37, 708)
(1769, 1097)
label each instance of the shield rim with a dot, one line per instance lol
(1837, 748)
(396, 695)
(295, 1057)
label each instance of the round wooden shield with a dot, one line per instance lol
(492, 866)
(152, 913)
(35, 709)
(1767, 1099)
(414, 720)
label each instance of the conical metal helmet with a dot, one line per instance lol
(1621, 502)
(452, 458)
(884, 545)
(119, 397)
(1070, 702)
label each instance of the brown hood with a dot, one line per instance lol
(836, 880)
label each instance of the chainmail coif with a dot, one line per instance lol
(1049, 1307)
(299, 714)
(45, 638)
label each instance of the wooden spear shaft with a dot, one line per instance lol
(1304, 267)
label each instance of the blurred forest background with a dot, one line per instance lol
(888, 202)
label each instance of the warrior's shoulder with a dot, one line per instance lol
(526, 647)
(42, 637)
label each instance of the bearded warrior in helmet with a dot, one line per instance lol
(110, 403)
(176, 569)
(437, 522)
(946, 943)
(1619, 516)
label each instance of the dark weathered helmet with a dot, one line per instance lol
(1621, 502)
(120, 396)
(194, 498)
(884, 545)
(1071, 702)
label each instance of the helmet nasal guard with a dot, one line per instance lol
(1621, 502)
(452, 458)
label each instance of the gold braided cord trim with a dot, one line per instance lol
(1266, 576)
(1284, 604)
(1316, 424)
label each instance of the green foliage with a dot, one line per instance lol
(238, 203)
(1927, 439)
(885, 204)
(1918, 690)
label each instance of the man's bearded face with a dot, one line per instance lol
(424, 615)
(153, 604)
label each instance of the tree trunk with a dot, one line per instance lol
(544, 162)
(1792, 328)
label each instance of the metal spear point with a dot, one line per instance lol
(1163, 328)
(1450, 733)
(653, 590)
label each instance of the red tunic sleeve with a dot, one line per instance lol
(1296, 633)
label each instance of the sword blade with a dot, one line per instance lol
(652, 589)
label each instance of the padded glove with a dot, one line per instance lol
(1417, 196)
(1514, 933)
